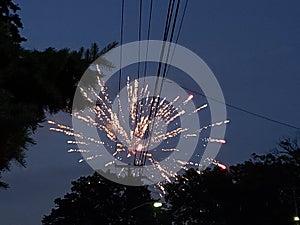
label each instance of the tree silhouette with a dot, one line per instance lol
(195, 198)
(263, 190)
(10, 21)
(32, 83)
(95, 200)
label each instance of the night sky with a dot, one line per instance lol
(251, 46)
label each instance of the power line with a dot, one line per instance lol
(171, 38)
(139, 53)
(137, 114)
(147, 49)
(166, 65)
(121, 42)
(227, 104)
(178, 34)
(140, 34)
(242, 110)
(181, 21)
(121, 53)
(165, 37)
(167, 25)
(142, 156)
(148, 37)
(155, 102)
(162, 70)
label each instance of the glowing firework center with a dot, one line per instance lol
(117, 132)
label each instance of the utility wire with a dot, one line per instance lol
(137, 114)
(140, 34)
(155, 102)
(169, 48)
(166, 31)
(178, 34)
(148, 36)
(147, 49)
(167, 25)
(242, 109)
(181, 21)
(121, 52)
(153, 105)
(121, 42)
(166, 65)
(227, 104)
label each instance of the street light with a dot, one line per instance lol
(157, 204)
(296, 217)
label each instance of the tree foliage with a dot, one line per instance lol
(10, 22)
(32, 83)
(95, 200)
(263, 190)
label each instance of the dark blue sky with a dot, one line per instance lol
(251, 46)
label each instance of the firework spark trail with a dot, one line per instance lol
(138, 121)
(66, 132)
(103, 90)
(170, 150)
(164, 172)
(169, 134)
(142, 125)
(196, 133)
(120, 108)
(110, 120)
(216, 163)
(77, 135)
(200, 108)
(213, 125)
(142, 121)
(61, 126)
(132, 91)
(216, 140)
(167, 112)
(89, 158)
(77, 142)
(189, 98)
(78, 150)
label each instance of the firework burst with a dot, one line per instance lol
(137, 129)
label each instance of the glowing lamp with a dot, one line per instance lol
(296, 218)
(157, 204)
